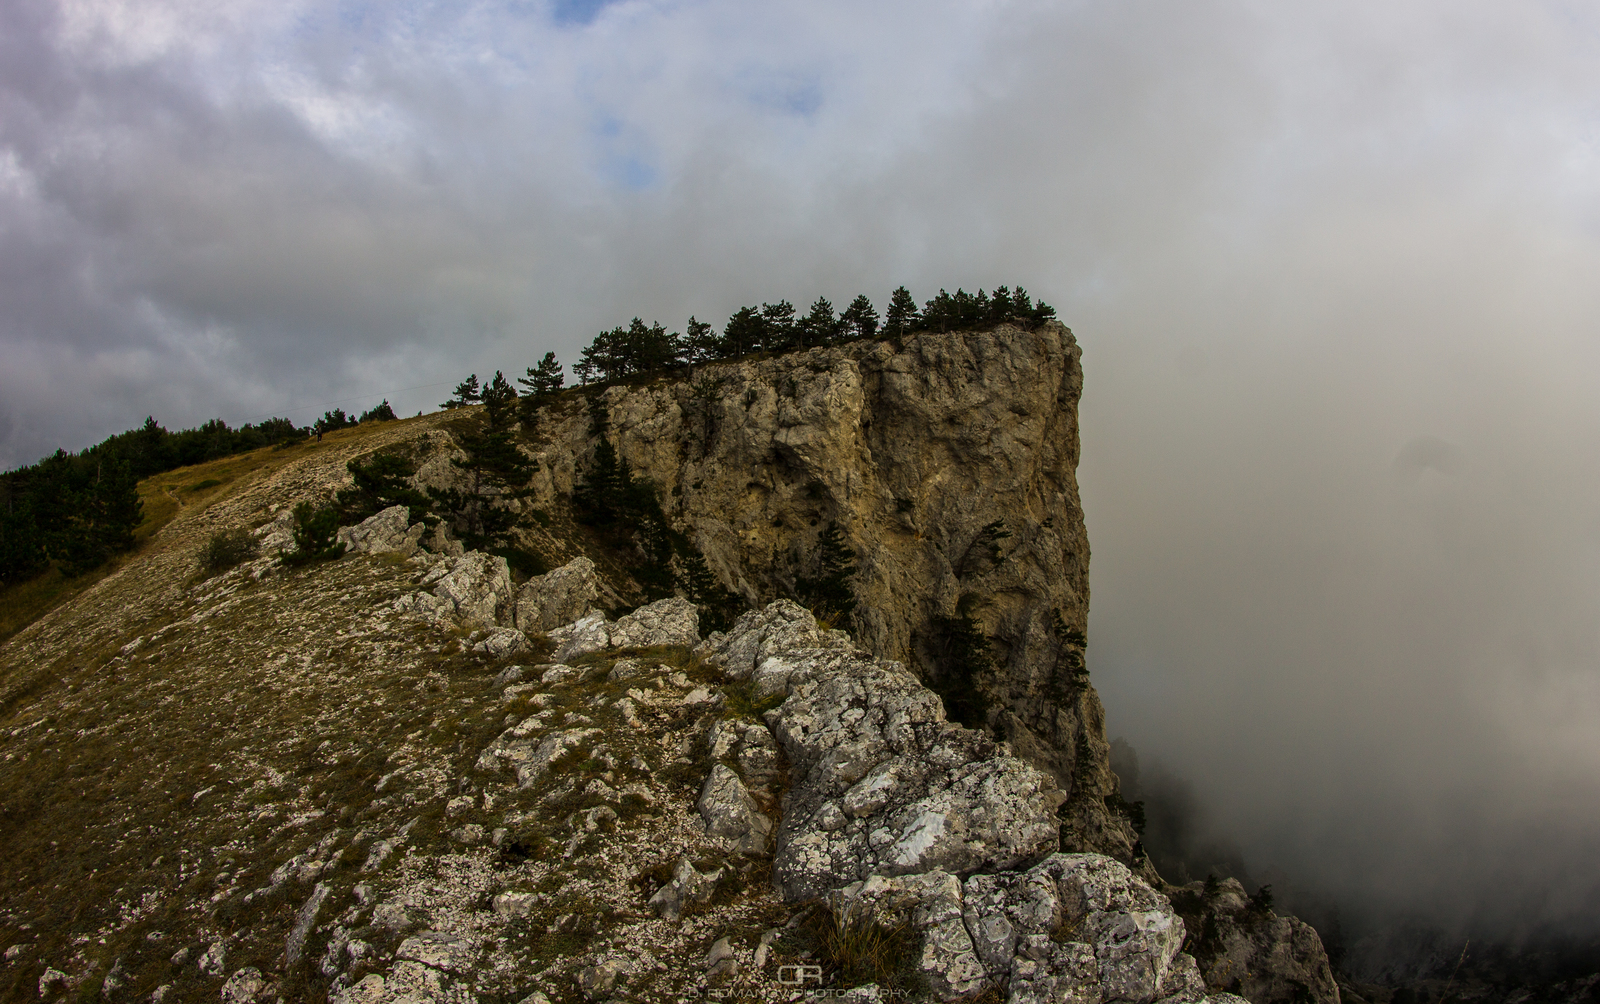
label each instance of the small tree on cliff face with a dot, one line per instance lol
(495, 468)
(381, 482)
(829, 593)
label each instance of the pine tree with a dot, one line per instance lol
(700, 341)
(543, 382)
(902, 318)
(497, 469)
(315, 530)
(1000, 305)
(828, 593)
(382, 413)
(718, 605)
(383, 481)
(329, 422)
(467, 393)
(819, 326)
(744, 333)
(778, 326)
(860, 319)
(22, 553)
(500, 402)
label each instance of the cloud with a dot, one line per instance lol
(1331, 267)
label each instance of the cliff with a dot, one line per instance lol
(411, 774)
(947, 462)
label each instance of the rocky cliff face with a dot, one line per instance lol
(409, 775)
(948, 463)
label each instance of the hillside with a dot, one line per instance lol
(406, 770)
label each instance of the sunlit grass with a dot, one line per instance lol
(165, 495)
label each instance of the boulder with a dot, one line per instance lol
(688, 887)
(244, 987)
(590, 633)
(474, 589)
(390, 531)
(731, 815)
(782, 626)
(548, 601)
(882, 784)
(930, 905)
(672, 621)
(501, 642)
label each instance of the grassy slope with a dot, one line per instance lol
(166, 495)
(182, 760)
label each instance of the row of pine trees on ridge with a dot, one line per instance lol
(75, 511)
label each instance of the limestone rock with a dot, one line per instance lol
(882, 784)
(390, 531)
(590, 633)
(929, 904)
(1184, 984)
(730, 813)
(214, 959)
(438, 951)
(51, 979)
(1256, 953)
(244, 987)
(502, 642)
(672, 621)
(474, 588)
(595, 981)
(688, 886)
(1048, 972)
(781, 626)
(278, 535)
(548, 601)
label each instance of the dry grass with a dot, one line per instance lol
(165, 496)
(855, 950)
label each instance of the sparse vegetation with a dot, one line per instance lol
(314, 530)
(828, 592)
(856, 950)
(228, 548)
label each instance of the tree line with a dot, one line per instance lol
(641, 348)
(77, 510)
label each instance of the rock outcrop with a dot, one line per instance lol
(401, 776)
(390, 531)
(1243, 946)
(904, 820)
(947, 462)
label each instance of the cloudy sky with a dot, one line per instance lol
(1333, 267)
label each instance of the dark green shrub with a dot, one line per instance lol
(228, 548)
(314, 530)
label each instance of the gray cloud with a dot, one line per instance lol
(1332, 269)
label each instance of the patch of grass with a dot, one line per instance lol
(1067, 930)
(741, 702)
(203, 485)
(855, 951)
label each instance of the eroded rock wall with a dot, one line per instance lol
(947, 461)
